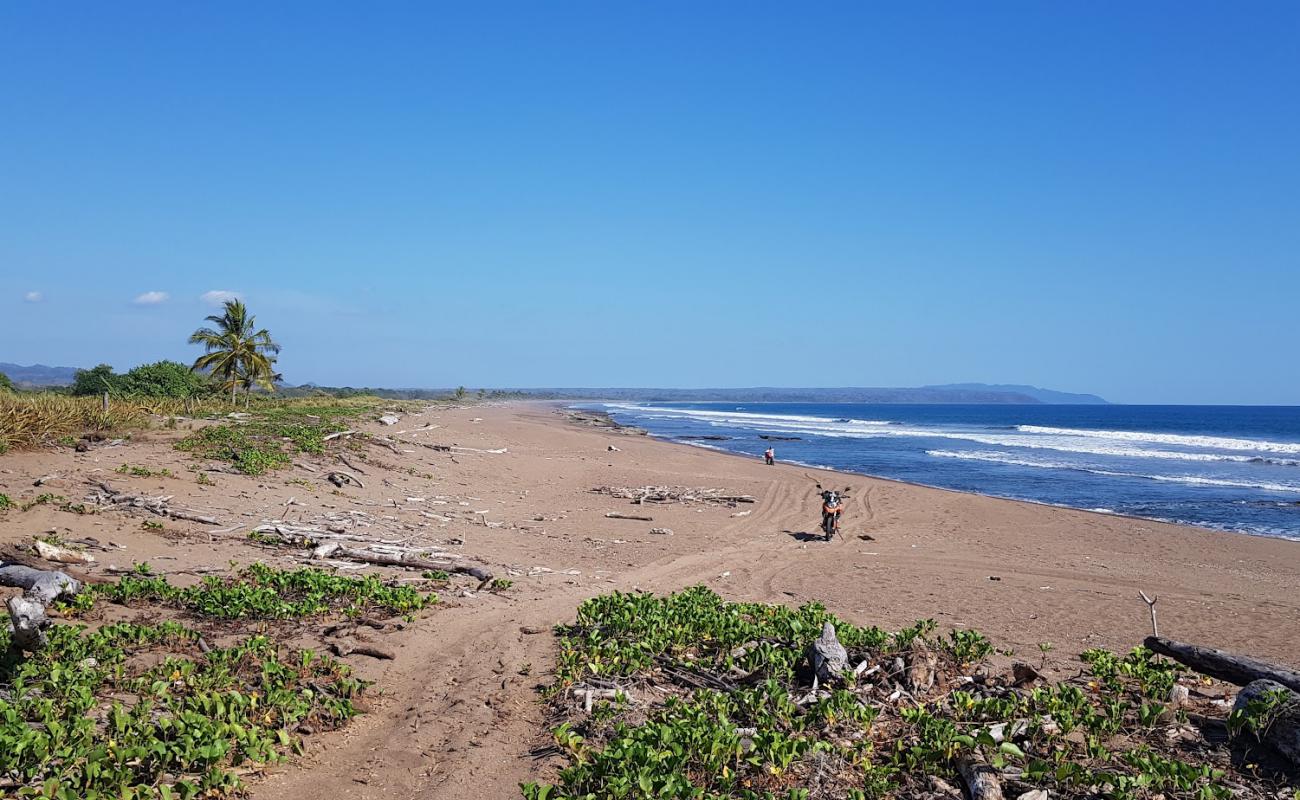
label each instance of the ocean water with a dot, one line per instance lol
(1233, 468)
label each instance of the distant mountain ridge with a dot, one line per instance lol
(972, 393)
(1050, 396)
(38, 374)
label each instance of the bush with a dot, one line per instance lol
(6, 385)
(164, 379)
(159, 379)
(96, 381)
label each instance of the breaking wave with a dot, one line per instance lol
(1190, 480)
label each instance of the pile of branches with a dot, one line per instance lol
(334, 542)
(640, 495)
(160, 504)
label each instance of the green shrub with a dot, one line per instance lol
(159, 379)
(251, 453)
(164, 379)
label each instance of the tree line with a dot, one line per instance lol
(237, 355)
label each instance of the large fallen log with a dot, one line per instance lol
(408, 560)
(1278, 722)
(1225, 666)
(27, 611)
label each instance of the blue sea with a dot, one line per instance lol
(1234, 468)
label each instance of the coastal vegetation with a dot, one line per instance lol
(702, 698)
(260, 592)
(238, 353)
(152, 711)
(169, 379)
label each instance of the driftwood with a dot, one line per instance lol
(828, 656)
(342, 649)
(616, 515)
(353, 624)
(587, 695)
(673, 494)
(176, 513)
(921, 665)
(341, 479)
(27, 611)
(1280, 725)
(349, 464)
(327, 437)
(108, 495)
(1229, 667)
(981, 779)
(62, 555)
(408, 560)
(1151, 607)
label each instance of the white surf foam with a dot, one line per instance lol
(1030, 437)
(1190, 480)
(1177, 439)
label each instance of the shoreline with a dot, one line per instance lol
(974, 493)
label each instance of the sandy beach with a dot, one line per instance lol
(457, 713)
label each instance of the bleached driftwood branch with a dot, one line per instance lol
(27, 611)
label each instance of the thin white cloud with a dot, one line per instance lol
(218, 297)
(33, 297)
(151, 298)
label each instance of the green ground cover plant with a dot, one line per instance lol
(262, 592)
(722, 707)
(141, 471)
(274, 432)
(88, 718)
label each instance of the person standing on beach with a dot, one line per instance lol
(769, 456)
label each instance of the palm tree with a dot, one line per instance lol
(251, 380)
(237, 352)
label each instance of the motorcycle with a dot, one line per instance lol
(832, 507)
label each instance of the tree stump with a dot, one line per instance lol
(828, 656)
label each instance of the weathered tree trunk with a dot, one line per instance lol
(981, 779)
(27, 611)
(921, 666)
(828, 656)
(1281, 724)
(403, 560)
(1229, 667)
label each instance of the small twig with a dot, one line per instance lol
(1151, 606)
(349, 464)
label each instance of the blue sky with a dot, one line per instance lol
(1087, 196)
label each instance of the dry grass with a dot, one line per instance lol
(30, 420)
(37, 419)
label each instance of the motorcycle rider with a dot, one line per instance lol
(832, 507)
